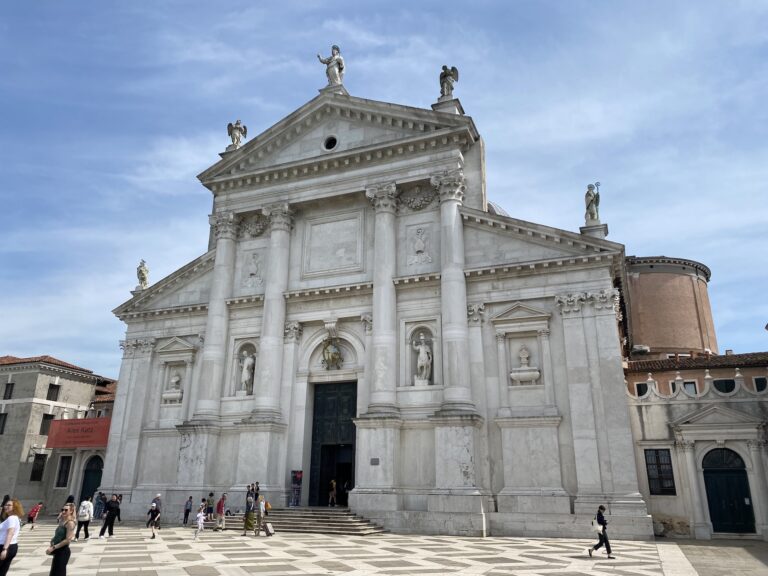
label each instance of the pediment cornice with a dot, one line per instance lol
(423, 130)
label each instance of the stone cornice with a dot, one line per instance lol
(46, 367)
(669, 263)
(245, 301)
(342, 290)
(171, 311)
(521, 268)
(332, 163)
(420, 279)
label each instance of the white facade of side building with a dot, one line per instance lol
(384, 238)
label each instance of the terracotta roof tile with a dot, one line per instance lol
(6, 360)
(749, 359)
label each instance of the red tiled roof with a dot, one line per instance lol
(105, 394)
(750, 359)
(6, 360)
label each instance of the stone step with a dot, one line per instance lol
(310, 520)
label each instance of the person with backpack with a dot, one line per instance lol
(84, 517)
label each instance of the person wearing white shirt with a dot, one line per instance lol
(84, 517)
(9, 534)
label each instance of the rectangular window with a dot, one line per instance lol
(8, 394)
(690, 387)
(2, 422)
(641, 389)
(38, 467)
(761, 383)
(62, 478)
(661, 481)
(53, 392)
(45, 425)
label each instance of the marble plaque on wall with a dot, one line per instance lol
(333, 245)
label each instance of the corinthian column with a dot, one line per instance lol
(213, 360)
(383, 382)
(453, 289)
(270, 370)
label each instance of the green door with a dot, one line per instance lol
(728, 495)
(333, 441)
(91, 477)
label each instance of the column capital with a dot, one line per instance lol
(293, 331)
(137, 345)
(756, 444)
(450, 185)
(280, 216)
(685, 445)
(570, 303)
(605, 299)
(225, 225)
(383, 196)
(476, 313)
(544, 332)
(501, 336)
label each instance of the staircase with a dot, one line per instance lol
(312, 520)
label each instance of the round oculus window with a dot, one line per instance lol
(330, 143)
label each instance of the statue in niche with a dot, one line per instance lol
(332, 358)
(246, 374)
(524, 356)
(236, 132)
(420, 256)
(254, 279)
(525, 374)
(173, 392)
(592, 203)
(447, 78)
(334, 66)
(423, 360)
(142, 273)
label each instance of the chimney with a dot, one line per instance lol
(729, 352)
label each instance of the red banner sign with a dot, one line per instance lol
(79, 433)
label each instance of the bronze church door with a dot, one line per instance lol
(333, 442)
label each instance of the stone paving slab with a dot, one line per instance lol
(175, 553)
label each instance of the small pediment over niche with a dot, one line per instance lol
(175, 345)
(716, 416)
(519, 312)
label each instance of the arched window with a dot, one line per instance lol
(723, 459)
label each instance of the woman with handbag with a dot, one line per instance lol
(600, 525)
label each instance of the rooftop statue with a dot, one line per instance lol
(334, 66)
(592, 203)
(447, 78)
(237, 132)
(142, 273)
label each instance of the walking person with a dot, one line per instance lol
(33, 513)
(200, 520)
(59, 547)
(154, 518)
(84, 517)
(602, 534)
(209, 507)
(220, 508)
(187, 509)
(111, 512)
(9, 534)
(248, 517)
(158, 502)
(332, 493)
(261, 509)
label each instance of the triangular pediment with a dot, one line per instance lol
(497, 240)
(715, 416)
(520, 312)
(354, 123)
(175, 345)
(189, 286)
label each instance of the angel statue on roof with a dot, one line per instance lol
(237, 132)
(447, 78)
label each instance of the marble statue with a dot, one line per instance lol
(447, 78)
(334, 66)
(246, 375)
(332, 358)
(237, 132)
(142, 272)
(592, 202)
(424, 360)
(173, 394)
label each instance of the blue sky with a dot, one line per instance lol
(109, 109)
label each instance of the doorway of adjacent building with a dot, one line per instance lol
(333, 442)
(728, 495)
(91, 477)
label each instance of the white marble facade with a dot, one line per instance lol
(485, 349)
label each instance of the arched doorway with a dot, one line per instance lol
(728, 495)
(91, 476)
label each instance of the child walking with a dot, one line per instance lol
(200, 521)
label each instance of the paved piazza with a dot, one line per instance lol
(132, 553)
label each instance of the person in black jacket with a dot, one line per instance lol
(602, 535)
(112, 511)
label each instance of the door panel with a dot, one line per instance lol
(730, 501)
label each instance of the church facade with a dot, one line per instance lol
(365, 315)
